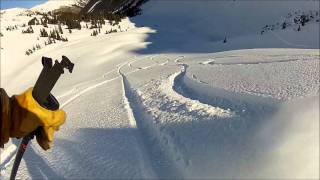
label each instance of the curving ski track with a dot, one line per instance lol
(174, 91)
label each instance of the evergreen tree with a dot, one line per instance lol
(58, 36)
(45, 23)
(64, 39)
(52, 34)
(45, 33)
(49, 41)
(303, 20)
(60, 29)
(28, 30)
(225, 40)
(32, 21)
(94, 33)
(284, 25)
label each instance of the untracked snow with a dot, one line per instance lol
(51, 5)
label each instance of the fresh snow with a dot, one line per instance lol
(53, 5)
(166, 98)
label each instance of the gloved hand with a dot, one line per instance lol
(25, 115)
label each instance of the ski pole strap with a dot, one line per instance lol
(49, 76)
(41, 93)
(51, 104)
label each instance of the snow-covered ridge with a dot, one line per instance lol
(53, 5)
(12, 12)
(50, 5)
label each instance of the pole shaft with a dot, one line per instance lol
(22, 148)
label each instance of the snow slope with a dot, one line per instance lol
(164, 102)
(196, 26)
(254, 140)
(53, 5)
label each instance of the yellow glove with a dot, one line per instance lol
(26, 115)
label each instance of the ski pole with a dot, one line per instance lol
(41, 93)
(22, 147)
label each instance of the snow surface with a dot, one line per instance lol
(53, 5)
(160, 101)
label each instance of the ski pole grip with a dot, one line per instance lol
(41, 93)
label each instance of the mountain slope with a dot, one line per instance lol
(170, 96)
(53, 5)
(123, 7)
(202, 24)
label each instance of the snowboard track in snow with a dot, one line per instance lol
(165, 156)
(237, 102)
(160, 164)
(160, 147)
(246, 108)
